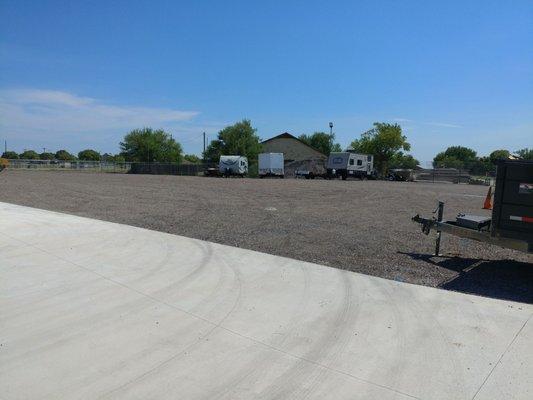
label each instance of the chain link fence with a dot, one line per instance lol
(452, 175)
(168, 169)
(59, 165)
(109, 166)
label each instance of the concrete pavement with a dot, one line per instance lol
(96, 310)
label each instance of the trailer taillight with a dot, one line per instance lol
(521, 219)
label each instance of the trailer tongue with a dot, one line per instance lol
(511, 223)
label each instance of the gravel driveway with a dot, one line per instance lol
(362, 226)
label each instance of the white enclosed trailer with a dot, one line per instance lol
(233, 165)
(271, 164)
(345, 164)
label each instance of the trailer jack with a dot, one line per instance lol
(431, 223)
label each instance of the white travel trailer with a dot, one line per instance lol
(345, 164)
(233, 165)
(271, 164)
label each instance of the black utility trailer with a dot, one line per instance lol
(511, 223)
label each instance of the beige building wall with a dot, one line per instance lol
(292, 149)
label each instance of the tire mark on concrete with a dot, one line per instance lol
(102, 317)
(289, 384)
(189, 347)
(259, 364)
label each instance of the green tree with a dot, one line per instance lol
(214, 151)
(107, 157)
(148, 145)
(29, 155)
(10, 155)
(455, 157)
(64, 155)
(46, 156)
(443, 161)
(383, 141)
(192, 158)
(237, 139)
(405, 161)
(481, 166)
(499, 155)
(89, 155)
(112, 158)
(526, 154)
(321, 141)
(118, 158)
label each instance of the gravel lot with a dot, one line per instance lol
(362, 226)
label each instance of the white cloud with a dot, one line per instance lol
(401, 120)
(44, 97)
(32, 113)
(437, 124)
(442, 125)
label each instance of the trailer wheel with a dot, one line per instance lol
(344, 177)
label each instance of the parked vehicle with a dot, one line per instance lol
(401, 175)
(212, 171)
(233, 165)
(345, 164)
(308, 169)
(303, 173)
(271, 164)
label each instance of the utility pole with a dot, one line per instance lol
(203, 154)
(331, 128)
(5, 146)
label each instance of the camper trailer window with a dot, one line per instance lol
(359, 162)
(351, 161)
(369, 158)
(337, 160)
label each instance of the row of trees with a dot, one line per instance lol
(62, 155)
(467, 159)
(141, 145)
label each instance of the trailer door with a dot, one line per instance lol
(351, 163)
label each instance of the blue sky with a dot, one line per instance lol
(81, 74)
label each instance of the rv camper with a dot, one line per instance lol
(233, 165)
(345, 164)
(271, 164)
